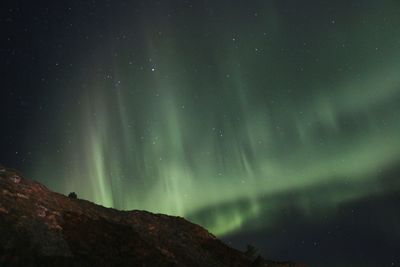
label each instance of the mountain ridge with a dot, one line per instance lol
(39, 227)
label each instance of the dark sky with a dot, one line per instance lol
(273, 123)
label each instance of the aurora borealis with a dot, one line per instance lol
(229, 113)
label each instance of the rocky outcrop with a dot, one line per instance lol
(39, 227)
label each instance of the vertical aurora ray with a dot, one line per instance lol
(208, 128)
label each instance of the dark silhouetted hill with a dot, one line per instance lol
(39, 227)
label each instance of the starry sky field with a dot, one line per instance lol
(272, 123)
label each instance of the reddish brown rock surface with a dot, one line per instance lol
(41, 228)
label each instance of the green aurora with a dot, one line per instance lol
(236, 110)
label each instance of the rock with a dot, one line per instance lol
(39, 227)
(16, 179)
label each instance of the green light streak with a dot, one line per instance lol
(183, 138)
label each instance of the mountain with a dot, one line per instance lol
(39, 227)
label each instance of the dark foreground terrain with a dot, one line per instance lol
(39, 227)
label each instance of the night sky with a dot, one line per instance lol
(272, 123)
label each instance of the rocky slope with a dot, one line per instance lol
(41, 228)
